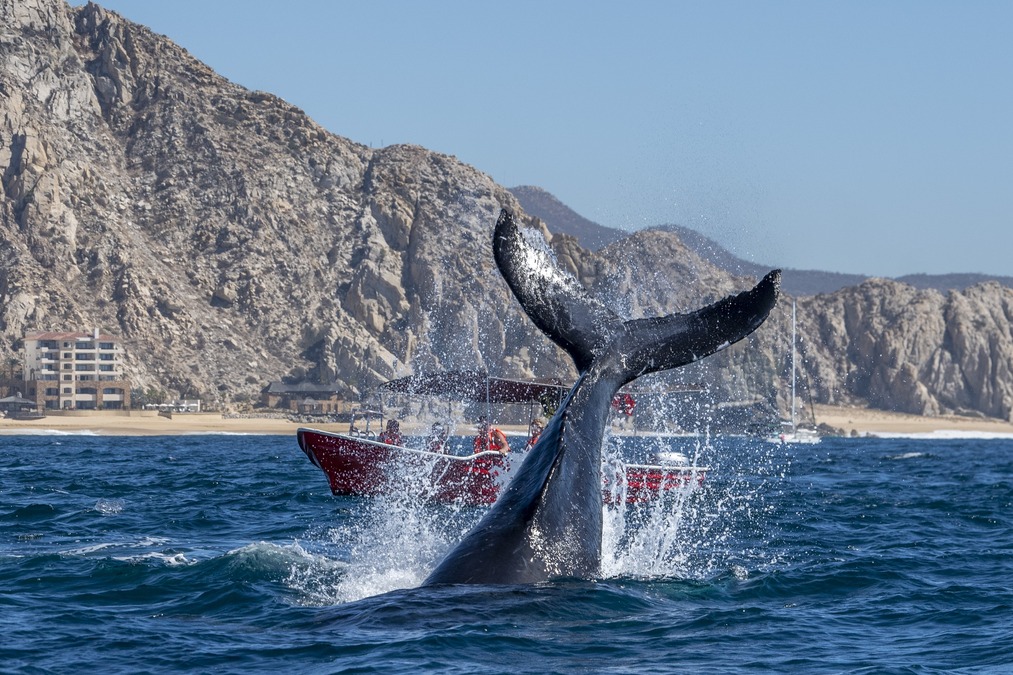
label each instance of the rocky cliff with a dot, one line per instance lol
(917, 351)
(232, 241)
(223, 234)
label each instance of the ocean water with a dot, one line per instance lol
(228, 554)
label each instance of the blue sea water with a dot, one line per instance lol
(217, 553)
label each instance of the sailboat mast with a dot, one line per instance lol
(793, 364)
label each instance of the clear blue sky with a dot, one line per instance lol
(867, 137)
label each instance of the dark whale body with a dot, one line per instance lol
(548, 521)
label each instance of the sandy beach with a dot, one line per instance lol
(147, 423)
(863, 421)
(851, 421)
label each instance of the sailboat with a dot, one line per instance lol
(790, 431)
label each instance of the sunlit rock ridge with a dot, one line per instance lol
(232, 241)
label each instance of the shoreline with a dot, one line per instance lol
(850, 421)
(147, 423)
(869, 422)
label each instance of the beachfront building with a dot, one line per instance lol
(75, 371)
(306, 398)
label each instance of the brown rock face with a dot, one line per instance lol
(914, 351)
(220, 231)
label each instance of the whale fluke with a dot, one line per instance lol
(548, 521)
(583, 326)
(552, 298)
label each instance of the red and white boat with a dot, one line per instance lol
(357, 463)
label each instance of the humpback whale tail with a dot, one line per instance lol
(548, 521)
(583, 326)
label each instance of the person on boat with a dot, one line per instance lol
(624, 404)
(534, 431)
(437, 441)
(490, 438)
(392, 434)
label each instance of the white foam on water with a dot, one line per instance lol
(315, 576)
(88, 550)
(48, 432)
(134, 551)
(168, 559)
(393, 542)
(945, 434)
(108, 507)
(153, 541)
(909, 455)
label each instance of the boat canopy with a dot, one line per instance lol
(18, 399)
(477, 385)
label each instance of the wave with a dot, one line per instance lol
(306, 572)
(264, 559)
(88, 550)
(167, 559)
(909, 455)
(30, 513)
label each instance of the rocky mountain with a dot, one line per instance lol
(231, 241)
(544, 205)
(920, 351)
(222, 233)
(561, 218)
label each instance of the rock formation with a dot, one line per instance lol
(222, 233)
(916, 351)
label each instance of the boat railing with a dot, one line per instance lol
(361, 433)
(366, 417)
(420, 452)
(669, 467)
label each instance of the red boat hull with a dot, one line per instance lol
(357, 466)
(362, 467)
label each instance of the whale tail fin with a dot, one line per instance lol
(649, 345)
(579, 323)
(588, 330)
(548, 520)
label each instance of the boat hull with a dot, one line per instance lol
(362, 467)
(357, 466)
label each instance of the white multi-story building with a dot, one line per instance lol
(75, 371)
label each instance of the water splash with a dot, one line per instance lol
(696, 532)
(699, 532)
(109, 507)
(649, 540)
(392, 542)
(705, 528)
